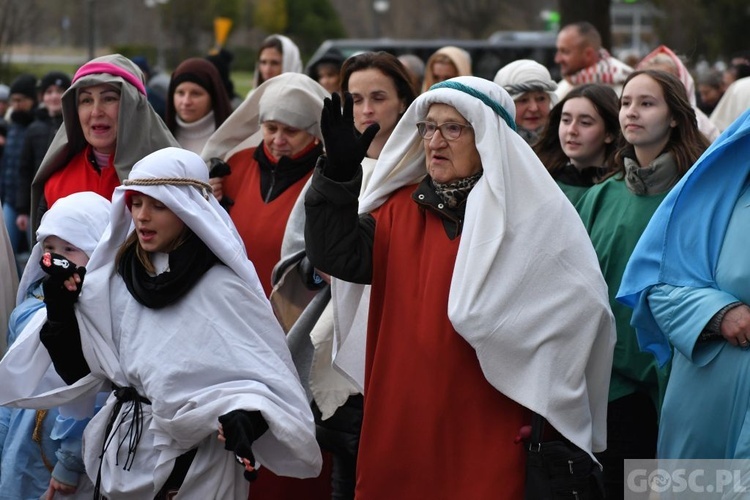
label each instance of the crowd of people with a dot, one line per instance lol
(367, 276)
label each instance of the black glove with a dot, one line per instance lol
(310, 278)
(219, 168)
(241, 428)
(345, 147)
(58, 299)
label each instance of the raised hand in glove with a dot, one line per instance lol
(62, 285)
(345, 147)
(238, 429)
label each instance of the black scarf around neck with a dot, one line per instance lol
(187, 264)
(275, 178)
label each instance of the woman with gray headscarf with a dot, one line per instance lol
(108, 125)
(473, 319)
(533, 91)
(270, 144)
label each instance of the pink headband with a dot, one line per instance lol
(111, 69)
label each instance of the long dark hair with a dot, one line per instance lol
(686, 142)
(605, 101)
(386, 63)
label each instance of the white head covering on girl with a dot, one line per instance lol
(79, 218)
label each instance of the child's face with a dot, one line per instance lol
(157, 226)
(53, 244)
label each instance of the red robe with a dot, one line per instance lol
(433, 426)
(80, 175)
(261, 226)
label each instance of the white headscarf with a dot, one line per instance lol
(291, 62)
(80, 219)
(192, 203)
(527, 292)
(293, 99)
(526, 75)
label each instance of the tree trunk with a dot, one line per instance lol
(594, 11)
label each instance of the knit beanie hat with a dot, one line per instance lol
(54, 78)
(24, 84)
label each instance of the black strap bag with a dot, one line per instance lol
(559, 470)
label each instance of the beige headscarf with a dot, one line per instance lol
(458, 56)
(140, 130)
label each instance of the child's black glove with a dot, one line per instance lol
(58, 299)
(240, 429)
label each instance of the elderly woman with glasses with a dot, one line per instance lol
(473, 320)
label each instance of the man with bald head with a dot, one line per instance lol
(582, 59)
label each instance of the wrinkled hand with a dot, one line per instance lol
(62, 285)
(735, 326)
(345, 148)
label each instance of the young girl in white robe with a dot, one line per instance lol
(171, 315)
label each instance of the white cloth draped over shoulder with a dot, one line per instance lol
(79, 219)
(217, 349)
(527, 292)
(734, 102)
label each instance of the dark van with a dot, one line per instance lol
(487, 56)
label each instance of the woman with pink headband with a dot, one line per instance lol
(108, 125)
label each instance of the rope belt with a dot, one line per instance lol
(171, 181)
(133, 434)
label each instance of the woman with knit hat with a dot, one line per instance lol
(533, 91)
(197, 103)
(39, 136)
(23, 102)
(108, 125)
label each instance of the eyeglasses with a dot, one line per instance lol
(449, 130)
